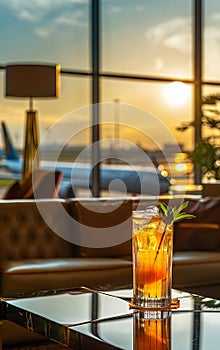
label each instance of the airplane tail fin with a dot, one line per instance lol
(10, 152)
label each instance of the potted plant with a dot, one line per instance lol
(206, 154)
(205, 157)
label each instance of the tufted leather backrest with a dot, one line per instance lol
(203, 232)
(105, 226)
(24, 234)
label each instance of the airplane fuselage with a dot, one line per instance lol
(119, 177)
(138, 179)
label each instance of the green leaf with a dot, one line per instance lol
(182, 206)
(184, 216)
(163, 206)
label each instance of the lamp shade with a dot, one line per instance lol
(32, 80)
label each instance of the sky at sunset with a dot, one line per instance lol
(142, 37)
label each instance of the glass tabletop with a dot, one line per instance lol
(84, 318)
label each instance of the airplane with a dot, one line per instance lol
(121, 178)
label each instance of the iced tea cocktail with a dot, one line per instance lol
(152, 244)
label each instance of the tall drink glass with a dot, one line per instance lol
(152, 245)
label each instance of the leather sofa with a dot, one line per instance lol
(52, 244)
(34, 257)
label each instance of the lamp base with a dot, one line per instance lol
(31, 159)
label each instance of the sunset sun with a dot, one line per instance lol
(176, 93)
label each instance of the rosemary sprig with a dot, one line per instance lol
(171, 215)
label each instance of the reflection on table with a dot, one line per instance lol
(151, 331)
(89, 319)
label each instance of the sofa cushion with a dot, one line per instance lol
(196, 268)
(61, 265)
(34, 275)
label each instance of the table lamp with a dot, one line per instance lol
(32, 80)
